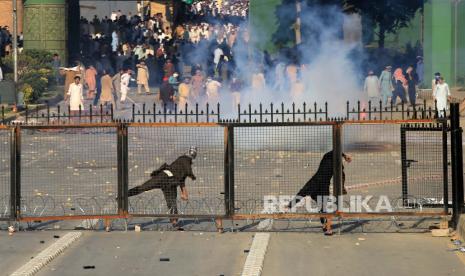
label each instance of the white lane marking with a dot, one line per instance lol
(47, 255)
(254, 263)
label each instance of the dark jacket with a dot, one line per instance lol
(166, 92)
(181, 168)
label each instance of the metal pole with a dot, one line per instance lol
(403, 152)
(337, 160)
(445, 167)
(15, 42)
(457, 163)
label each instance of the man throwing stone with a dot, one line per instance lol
(167, 178)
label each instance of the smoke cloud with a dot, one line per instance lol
(323, 68)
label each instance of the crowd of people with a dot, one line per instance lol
(187, 64)
(6, 41)
(404, 84)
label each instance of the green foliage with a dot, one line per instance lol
(388, 15)
(35, 73)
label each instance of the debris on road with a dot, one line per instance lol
(440, 232)
(137, 228)
(11, 230)
(164, 259)
(89, 267)
(56, 237)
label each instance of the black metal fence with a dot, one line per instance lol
(252, 169)
(261, 113)
(275, 113)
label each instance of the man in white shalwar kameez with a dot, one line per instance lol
(441, 94)
(371, 87)
(76, 99)
(125, 78)
(212, 90)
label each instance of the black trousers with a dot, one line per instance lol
(167, 186)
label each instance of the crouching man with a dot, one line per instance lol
(167, 178)
(318, 186)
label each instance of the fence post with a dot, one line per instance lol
(229, 170)
(404, 165)
(457, 163)
(337, 160)
(122, 156)
(445, 167)
(15, 171)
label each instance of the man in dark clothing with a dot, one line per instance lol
(168, 178)
(319, 184)
(167, 94)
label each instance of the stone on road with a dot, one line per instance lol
(146, 253)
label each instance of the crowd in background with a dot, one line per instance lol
(403, 84)
(187, 64)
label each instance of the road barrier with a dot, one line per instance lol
(255, 169)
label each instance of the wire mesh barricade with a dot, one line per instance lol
(282, 168)
(165, 179)
(157, 113)
(68, 171)
(425, 163)
(375, 179)
(5, 173)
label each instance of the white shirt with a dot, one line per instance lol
(75, 96)
(371, 86)
(217, 55)
(125, 81)
(441, 93)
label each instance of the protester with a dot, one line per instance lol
(167, 178)
(412, 85)
(385, 82)
(442, 95)
(183, 93)
(75, 95)
(212, 90)
(371, 87)
(142, 77)
(107, 90)
(91, 75)
(167, 94)
(56, 64)
(125, 78)
(400, 84)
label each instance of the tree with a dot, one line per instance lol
(286, 14)
(388, 15)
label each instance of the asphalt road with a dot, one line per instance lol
(139, 254)
(19, 248)
(375, 254)
(200, 253)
